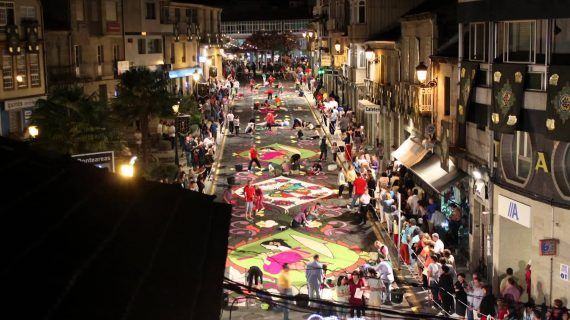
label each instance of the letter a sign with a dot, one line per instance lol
(514, 211)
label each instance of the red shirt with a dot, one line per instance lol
(253, 153)
(249, 193)
(269, 118)
(360, 186)
(352, 289)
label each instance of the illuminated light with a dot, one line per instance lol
(337, 47)
(477, 174)
(369, 53)
(127, 171)
(196, 76)
(34, 131)
(175, 108)
(19, 78)
(421, 72)
(202, 59)
(143, 33)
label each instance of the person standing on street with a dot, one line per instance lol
(230, 120)
(323, 147)
(236, 125)
(253, 158)
(314, 274)
(360, 187)
(249, 192)
(386, 274)
(284, 285)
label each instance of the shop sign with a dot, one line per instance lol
(12, 105)
(113, 26)
(104, 159)
(372, 109)
(514, 211)
(326, 60)
(564, 272)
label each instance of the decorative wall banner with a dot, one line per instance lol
(558, 103)
(445, 141)
(508, 96)
(467, 83)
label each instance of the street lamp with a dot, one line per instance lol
(369, 53)
(196, 76)
(421, 72)
(127, 170)
(175, 109)
(34, 131)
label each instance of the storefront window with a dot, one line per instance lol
(523, 158)
(522, 41)
(21, 71)
(561, 168)
(35, 79)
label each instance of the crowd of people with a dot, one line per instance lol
(427, 238)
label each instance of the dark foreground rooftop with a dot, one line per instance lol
(80, 243)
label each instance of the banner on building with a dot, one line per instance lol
(514, 211)
(104, 160)
(182, 124)
(558, 103)
(467, 83)
(508, 96)
(326, 60)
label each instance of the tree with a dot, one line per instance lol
(143, 94)
(71, 122)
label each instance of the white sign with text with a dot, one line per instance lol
(514, 211)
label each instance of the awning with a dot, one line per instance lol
(430, 171)
(409, 153)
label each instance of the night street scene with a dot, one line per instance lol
(285, 159)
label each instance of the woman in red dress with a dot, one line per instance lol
(356, 286)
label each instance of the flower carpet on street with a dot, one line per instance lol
(287, 193)
(278, 153)
(270, 252)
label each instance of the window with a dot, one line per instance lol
(523, 158)
(177, 14)
(164, 14)
(35, 79)
(7, 72)
(141, 44)
(116, 53)
(477, 41)
(183, 51)
(103, 96)
(155, 46)
(79, 10)
(522, 41)
(110, 10)
(361, 13)
(21, 71)
(100, 55)
(561, 42)
(189, 15)
(447, 96)
(150, 11)
(95, 11)
(172, 52)
(77, 55)
(361, 58)
(6, 13)
(27, 12)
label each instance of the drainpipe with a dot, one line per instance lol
(551, 257)
(491, 165)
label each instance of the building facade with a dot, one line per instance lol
(179, 36)
(519, 59)
(23, 79)
(84, 44)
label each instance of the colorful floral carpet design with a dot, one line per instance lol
(278, 153)
(269, 253)
(288, 193)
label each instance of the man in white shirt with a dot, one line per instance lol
(386, 274)
(438, 246)
(230, 120)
